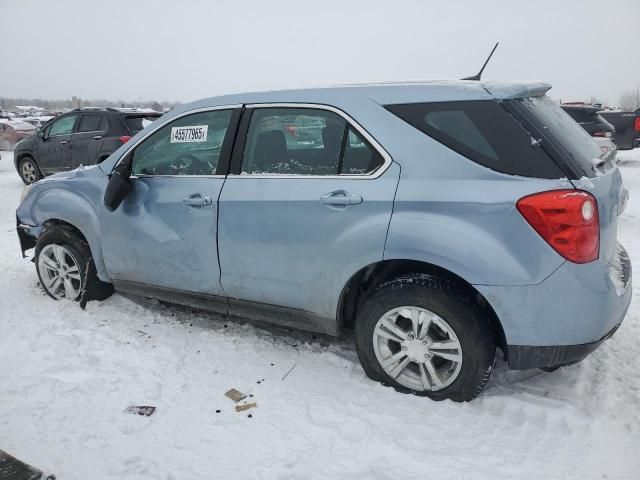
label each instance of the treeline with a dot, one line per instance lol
(8, 103)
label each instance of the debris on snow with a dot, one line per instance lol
(235, 395)
(145, 411)
(245, 406)
(290, 370)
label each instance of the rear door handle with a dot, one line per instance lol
(340, 197)
(197, 200)
(97, 137)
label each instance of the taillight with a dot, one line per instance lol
(567, 220)
(601, 134)
(125, 138)
(636, 124)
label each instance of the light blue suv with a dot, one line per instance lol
(440, 221)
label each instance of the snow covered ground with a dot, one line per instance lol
(66, 376)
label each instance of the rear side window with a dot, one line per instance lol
(483, 131)
(90, 123)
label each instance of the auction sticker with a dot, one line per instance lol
(196, 133)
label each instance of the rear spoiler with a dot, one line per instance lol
(507, 91)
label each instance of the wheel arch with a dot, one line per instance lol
(364, 281)
(21, 156)
(77, 213)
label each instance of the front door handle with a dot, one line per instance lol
(340, 197)
(197, 200)
(64, 142)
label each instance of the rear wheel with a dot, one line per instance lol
(29, 171)
(420, 335)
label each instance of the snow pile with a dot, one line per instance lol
(68, 375)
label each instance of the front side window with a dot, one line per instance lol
(63, 126)
(305, 141)
(190, 145)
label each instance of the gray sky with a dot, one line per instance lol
(184, 50)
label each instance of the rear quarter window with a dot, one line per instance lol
(484, 132)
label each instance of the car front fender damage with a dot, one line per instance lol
(27, 235)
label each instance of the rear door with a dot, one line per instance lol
(53, 150)
(164, 233)
(86, 142)
(307, 204)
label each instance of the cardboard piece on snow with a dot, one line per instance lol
(245, 406)
(235, 395)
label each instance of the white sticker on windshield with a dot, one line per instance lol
(196, 133)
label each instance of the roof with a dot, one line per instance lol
(382, 93)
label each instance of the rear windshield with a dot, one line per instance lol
(573, 140)
(483, 131)
(583, 115)
(135, 123)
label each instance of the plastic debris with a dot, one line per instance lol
(140, 410)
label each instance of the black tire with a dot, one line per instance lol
(36, 170)
(92, 288)
(447, 301)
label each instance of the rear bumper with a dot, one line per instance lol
(523, 357)
(564, 318)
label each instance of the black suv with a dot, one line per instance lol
(589, 119)
(83, 136)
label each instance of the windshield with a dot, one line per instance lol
(573, 139)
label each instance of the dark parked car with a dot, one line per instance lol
(589, 119)
(627, 125)
(84, 136)
(11, 132)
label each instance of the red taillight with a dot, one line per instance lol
(636, 124)
(125, 138)
(567, 220)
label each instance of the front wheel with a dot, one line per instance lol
(421, 335)
(29, 171)
(65, 267)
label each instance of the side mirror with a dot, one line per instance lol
(119, 185)
(40, 133)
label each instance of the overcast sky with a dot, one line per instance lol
(184, 50)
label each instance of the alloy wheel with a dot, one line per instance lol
(417, 348)
(59, 272)
(29, 172)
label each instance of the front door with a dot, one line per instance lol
(309, 207)
(164, 232)
(53, 148)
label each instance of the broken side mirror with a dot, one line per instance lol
(119, 184)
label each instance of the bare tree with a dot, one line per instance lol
(630, 100)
